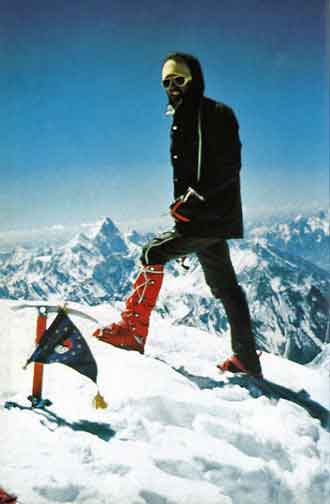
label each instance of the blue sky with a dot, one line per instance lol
(82, 125)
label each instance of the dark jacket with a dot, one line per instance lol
(206, 155)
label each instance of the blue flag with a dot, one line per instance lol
(63, 343)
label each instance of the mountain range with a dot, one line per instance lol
(282, 267)
(305, 236)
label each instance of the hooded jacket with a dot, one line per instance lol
(206, 155)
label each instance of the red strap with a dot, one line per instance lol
(177, 215)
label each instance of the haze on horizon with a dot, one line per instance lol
(83, 128)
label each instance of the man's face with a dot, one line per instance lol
(176, 79)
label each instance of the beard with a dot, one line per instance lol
(175, 99)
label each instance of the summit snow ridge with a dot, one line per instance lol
(167, 437)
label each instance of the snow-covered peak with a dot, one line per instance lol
(104, 237)
(80, 240)
(319, 222)
(304, 236)
(108, 238)
(104, 226)
(138, 238)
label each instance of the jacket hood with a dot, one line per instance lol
(197, 88)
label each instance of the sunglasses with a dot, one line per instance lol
(177, 80)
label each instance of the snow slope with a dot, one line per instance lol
(168, 436)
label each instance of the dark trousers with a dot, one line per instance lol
(214, 257)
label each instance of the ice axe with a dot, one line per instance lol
(43, 310)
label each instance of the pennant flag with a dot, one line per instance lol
(63, 343)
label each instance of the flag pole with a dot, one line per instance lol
(36, 397)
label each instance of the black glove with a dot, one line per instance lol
(185, 208)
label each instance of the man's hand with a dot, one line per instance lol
(185, 208)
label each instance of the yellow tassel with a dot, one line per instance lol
(99, 402)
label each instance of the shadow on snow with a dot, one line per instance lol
(260, 386)
(52, 421)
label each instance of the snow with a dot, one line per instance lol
(167, 437)
(318, 224)
(244, 259)
(276, 284)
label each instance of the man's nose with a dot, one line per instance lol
(172, 85)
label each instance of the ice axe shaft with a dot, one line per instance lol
(38, 367)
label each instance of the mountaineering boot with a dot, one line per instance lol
(131, 332)
(6, 498)
(245, 358)
(235, 365)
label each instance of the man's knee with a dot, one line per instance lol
(152, 255)
(160, 249)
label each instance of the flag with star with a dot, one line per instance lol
(63, 343)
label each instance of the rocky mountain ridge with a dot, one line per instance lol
(287, 294)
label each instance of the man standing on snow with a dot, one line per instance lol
(206, 158)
